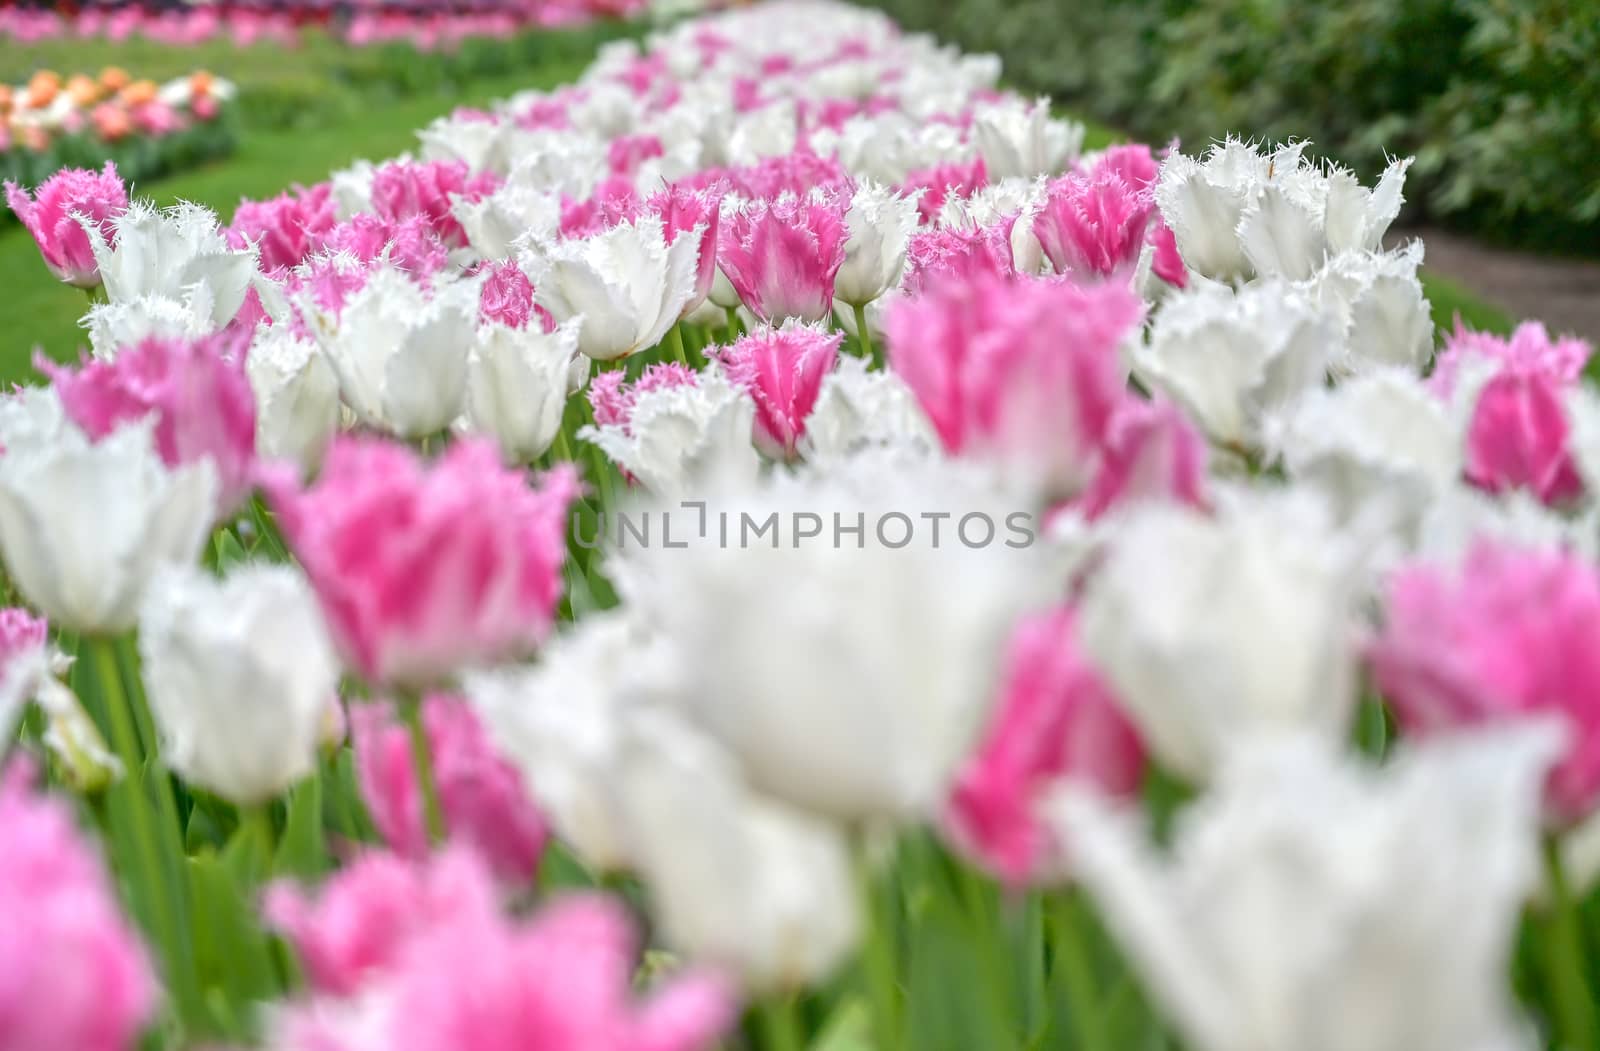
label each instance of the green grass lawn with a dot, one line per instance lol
(40, 312)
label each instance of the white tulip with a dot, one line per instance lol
(1462, 515)
(679, 437)
(1311, 901)
(739, 882)
(164, 253)
(1017, 140)
(240, 675)
(561, 723)
(628, 284)
(477, 143)
(560, 162)
(1234, 358)
(858, 710)
(517, 386)
(880, 223)
(517, 210)
(1386, 317)
(1241, 213)
(401, 353)
(84, 525)
(858, 408)
(1213, 627)
(1380, 442)
(771, 131)
(297, 398)
(116, 326)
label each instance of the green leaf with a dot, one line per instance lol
(303, 852)
(233, 955)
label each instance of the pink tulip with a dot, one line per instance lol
(1151, 452)
(954, 255)
(74, 973)
(1519, 434)
(1165, 262)
(52, 217)
(507, 298)
(1055, 720)
(481, 795)
(696, 212)
(359, 928)
(628, 152)
(198, 391)
(782, 256)
(411, 243)
(612, 398)
(450, 969)
(612, 202)
(422, 568)
(287, 228)
(782, 369)
(799, 173)
(1133, 162)
(402, 189)
(1093, 226)
(940, 183)
(1509, 634)
(1024, 370)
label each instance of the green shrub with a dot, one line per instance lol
(1498, 99)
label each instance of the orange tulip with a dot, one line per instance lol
(200, 83)
(84, 90)
(114, 78)
(139, 92)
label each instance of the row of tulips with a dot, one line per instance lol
(773, 545)
(426, 25)
(145, 128)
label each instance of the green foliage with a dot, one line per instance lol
(1498, 99)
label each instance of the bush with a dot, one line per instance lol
(1498, 99)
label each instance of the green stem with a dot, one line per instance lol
(151, 872)
(878, 958)
(1072, 957)
(733, 322)
(864, 337)
(432, 812)
(562, 450)
(780, 1029)
(676, 335)
(1562, 944)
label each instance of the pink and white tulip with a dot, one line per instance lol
(782, 256)
(782, 370)
(56, 212)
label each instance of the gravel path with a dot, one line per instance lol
(1563, 293)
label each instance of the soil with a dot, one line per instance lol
(1563, 293)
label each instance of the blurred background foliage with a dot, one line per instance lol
(1499, 100)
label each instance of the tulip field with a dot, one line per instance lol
(774, 541)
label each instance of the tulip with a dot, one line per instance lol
(85, 525)
(857, 408)
(1502, 637)
(1093, 226)
(1055, 720)
(297, 399)
(403, 189)
(287, 228)
(76, 974)
(783, 256)
(629, 285)
(240, 676)
(422, 569)
(54, 215)
(198, 393)
(896, 680)
(1017, 140)
(517, 383)
(1211, 629)
(1025, 372)
(163, 253)
(492, 224)
(1151, 453)
(1386, 317)
(721, 862)
(481, 796)
(782, 370)
(880, 224)
(401, 355)
(1305, 887)
(678, 434)
(1234, 358)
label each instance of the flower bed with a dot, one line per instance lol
(773, 545)
(146, 129)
